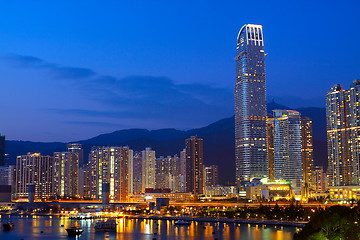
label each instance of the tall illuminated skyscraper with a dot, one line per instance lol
(37, 170)
(137, 172)
(111, 165)
(182, 175)
(77, 148)
(287, 146)
(194, 165)
(66, 174)
(354, 109)
(289, 139)
(270, 147)
(148, 169)
(307, 159)
(343, 134)
(250, 105)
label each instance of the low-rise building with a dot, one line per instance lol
(344, 193)
(173, 197)
(220, 190)
(270, 191)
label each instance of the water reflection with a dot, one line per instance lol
(30, 228)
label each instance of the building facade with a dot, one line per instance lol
(270, 147)
(77, 148)
(182, 176)
(344, 193)
(343, 134)
(307, 157)
(319, 179)
(148, 169)
(5, 178)
(111, 165)
(66, 174)
(37, 170)
(194, 165)
(2, 150)
(250, 105)
(211, 176)
(137, 172)
(219, 190)
(168, 172)
(84, 189)
(287, 146)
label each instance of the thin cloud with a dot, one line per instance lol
(23, 61)
(145, 98)
(57, 71)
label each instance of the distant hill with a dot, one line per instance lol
(218, 142)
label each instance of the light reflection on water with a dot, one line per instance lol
(28, 228)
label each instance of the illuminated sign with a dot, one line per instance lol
(279, 188)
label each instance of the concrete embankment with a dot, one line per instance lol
(225, 220)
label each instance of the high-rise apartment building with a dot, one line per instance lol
(194, 165)
(5, 178)
(270, 147)
(111, 165)
(66, 174)
(162, 169)
(343, 134)
(319, 179)
(167, 173)
(148, 169)
(100, 170)
(284, 143)
(130, 172)
(36, 170)
(12, 179)
(354, 114)
(2, 150)
(182, 175)
(250, 105)
(174, 176)
(137, 172)
(307, 157)
(287, 146)
(211, 176)
(84, 188)
(77, 148)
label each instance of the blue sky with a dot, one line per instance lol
(75, 69)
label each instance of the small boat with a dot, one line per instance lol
(74, 231)
(8, 226)
(106, 226)
(182, 222)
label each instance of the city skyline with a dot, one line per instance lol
(175, 119)
(68, 67)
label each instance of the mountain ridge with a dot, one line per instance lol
(219, 141)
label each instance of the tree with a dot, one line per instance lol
(337, 222)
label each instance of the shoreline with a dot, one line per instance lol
(223, 220)
(192, 219)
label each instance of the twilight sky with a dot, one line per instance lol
(75, 69)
